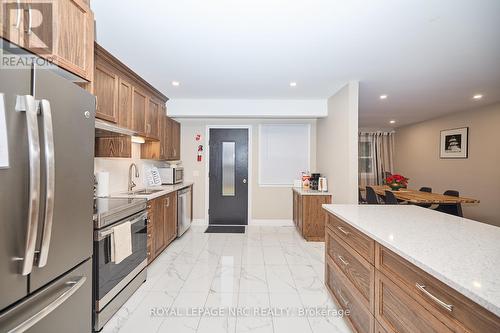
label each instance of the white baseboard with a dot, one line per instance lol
(199, 222)
(272, 222)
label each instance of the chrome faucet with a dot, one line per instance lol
(131, 183)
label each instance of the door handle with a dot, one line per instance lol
(50, 178)
(27, 104)
(25, 325)
(244, 180)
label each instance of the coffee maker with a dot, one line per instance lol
(314, 181)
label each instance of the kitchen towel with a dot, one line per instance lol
(102, 179)
(121, 242)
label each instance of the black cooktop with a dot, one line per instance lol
(109, 210)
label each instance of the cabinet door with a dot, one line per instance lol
(175, 140)
(159, 226)
(170, 216)
(125, 92)
(106, 92)
(169, 150)
(152, 119)
(150, 231)
(12, 14)
(139, 111)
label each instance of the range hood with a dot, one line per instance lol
(105, 129)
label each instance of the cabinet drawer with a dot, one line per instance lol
(398, 312)
(354, 238)
(348, 298)
(463, 312)
(359, 271)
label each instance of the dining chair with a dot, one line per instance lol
(371, 196)
(361, 200)
(428, 190)
(453, 209)
(387, 174)
(390, 198)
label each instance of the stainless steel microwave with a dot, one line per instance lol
(171, 175)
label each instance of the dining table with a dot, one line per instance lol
(419, 197)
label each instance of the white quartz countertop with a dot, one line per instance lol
(164, 189)
(462, 253)
(303, 191)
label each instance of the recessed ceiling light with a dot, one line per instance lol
(477, 96)
(293, 84)
(392, 121)
(383, 97)
(176, 83)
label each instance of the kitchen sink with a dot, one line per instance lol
(145, 191)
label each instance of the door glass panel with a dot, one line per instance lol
(228, 156)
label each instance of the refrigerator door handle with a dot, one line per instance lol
(74, 286)
(50, 174)
(26, 103)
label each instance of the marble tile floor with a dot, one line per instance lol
(192, 285)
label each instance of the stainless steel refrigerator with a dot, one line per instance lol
(46, 202)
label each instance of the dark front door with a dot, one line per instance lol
(228, 187)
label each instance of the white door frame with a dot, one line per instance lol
(207, 166)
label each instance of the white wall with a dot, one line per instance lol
(241, 108)
(267, 202)
(337, 144)
(118, 169)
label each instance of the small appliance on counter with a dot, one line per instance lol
(322, 184)
(174, 174)
(313, 181)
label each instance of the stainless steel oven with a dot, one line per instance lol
(115, 282)
(172, 175)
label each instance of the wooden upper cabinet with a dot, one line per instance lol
(139, 111)
(68, 42)
(175, 140)
(106, 92)
(153, 119)
(125, 98)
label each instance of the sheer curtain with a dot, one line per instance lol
(376, 156)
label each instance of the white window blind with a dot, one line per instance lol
(283, 153)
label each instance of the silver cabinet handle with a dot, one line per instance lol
(346, 303)
(18, 16)
(50, 180)
(75, 285)
(27, 104)
(30, 21)
(244, 181)
(345, 262)
(343, 230)
(446, 306)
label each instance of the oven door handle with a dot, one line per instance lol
(101, 234)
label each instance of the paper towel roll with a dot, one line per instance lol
(102, 179)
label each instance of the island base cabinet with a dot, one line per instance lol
(347, 297)
(398, 312)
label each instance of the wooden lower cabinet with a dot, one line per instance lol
(396, 311)
(308, 216)
(349, 299)
(162, 224)
(380, 289)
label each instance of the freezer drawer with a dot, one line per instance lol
(65, 305)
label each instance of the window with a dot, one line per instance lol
(365, 157)
(283, 153)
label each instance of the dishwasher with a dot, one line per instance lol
(184, 210)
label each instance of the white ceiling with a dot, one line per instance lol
(429, 56)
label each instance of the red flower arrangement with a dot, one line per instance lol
(396, 182)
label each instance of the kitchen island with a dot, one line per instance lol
(408, 269)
